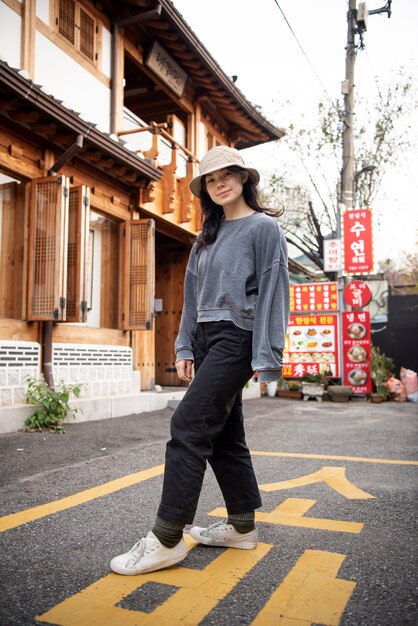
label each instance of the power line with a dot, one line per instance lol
(303, 52)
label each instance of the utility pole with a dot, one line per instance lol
(357, 20)
(356, 25)
(347, 173)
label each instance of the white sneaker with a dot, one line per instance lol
(148, 555)
(224, 535)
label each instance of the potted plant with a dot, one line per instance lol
(339, 393)
(289, 389)
(381, 368)
(381, 395)
(272, 388)
(313, 386)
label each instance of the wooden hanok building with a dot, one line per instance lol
(105, 109)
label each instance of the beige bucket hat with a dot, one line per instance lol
(217, 159)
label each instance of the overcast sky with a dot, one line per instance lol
(251, 39)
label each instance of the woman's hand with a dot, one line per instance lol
(184, 370)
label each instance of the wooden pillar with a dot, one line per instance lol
(143, 347)
(116, 113)
(27, 50)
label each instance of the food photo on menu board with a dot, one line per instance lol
(312, 339)
(356, 331)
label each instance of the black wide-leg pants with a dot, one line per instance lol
(208, 426)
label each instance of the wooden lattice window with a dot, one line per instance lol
(78, 26)
(77, 253)
(87, 34)
(47, 252)
(66, 19)
(59, 219)
(138, 275)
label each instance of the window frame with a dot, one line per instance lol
(76, 44)
(50, 262)
(57, 253)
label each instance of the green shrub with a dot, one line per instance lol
(384, 392)
(318, 379)
(381, 367)
(53, 404)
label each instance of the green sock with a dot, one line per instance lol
(168, 533)
(242, 522)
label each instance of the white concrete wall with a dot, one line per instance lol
(62, 77)
(106, 60)
(42, 10)
(10, 36)
(92, 409)
(12, 418)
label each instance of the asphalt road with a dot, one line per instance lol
(337, 526)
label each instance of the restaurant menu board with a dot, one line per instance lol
(312, 297)
(311, 346)
(356, 351)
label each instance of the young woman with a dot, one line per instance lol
(234, 320)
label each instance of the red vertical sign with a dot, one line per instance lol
(357, 242)
(356, 351)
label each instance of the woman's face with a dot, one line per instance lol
(224, 186)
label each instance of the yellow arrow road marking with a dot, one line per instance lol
(29, 515)
(37, 512)
(334, 477)
(292, 511)
(333, 457)
(199, 591)
(310, 594)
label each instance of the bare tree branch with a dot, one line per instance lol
(311, 213)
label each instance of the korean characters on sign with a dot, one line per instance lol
(311, 346)
(356, 351)
(357, 294)
(357, 242)
(332, 255)
(311, 297)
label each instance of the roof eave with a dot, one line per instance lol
(181, 26)
(52, 108)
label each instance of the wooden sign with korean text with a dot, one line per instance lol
(166, 69)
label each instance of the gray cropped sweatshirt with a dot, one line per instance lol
(242, 277)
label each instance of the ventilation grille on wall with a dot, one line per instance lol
(19, 354)
(68, 354)
(19, 360)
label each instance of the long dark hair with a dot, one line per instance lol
(213, 214)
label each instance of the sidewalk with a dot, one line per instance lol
(12, 418)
